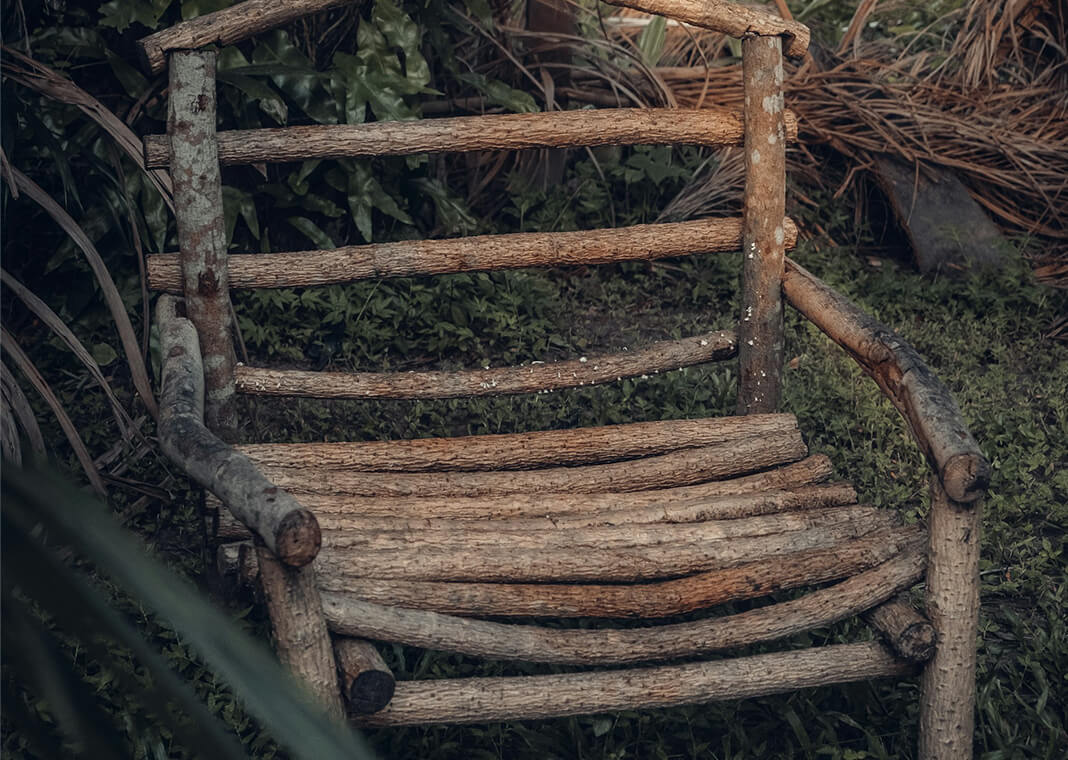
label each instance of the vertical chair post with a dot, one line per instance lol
(947, 706)
(760, 330)
(201, 229)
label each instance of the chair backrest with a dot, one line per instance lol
(204, 273)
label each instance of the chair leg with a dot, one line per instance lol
(947, 710)
(300, 634)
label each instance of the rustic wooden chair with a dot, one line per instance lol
(422, 538)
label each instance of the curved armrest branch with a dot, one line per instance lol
(899, 371)
(289, 530)
(728, 18)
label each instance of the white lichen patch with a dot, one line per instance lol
(755, 156)
(772, 139)
(780, 236)
(772, 103)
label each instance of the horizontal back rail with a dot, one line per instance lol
(470, 254)
(555, 129)
(541, 377)
(252, 17)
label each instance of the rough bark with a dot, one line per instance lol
(484, 700)
(907, 632)
(678, 468)
(301, 638)
(610, 126)
(288, 529)
(947, 704)
(923, 400)
(225, 27)
(554, 505)
(724, 508)
(469, 254)
(646, 600)
(590, 564)
(760, 331)
(537, 377)
(201, 233)
(580, 539)
(519, 451)
(367, 681)
(508, 641)
(728, 18)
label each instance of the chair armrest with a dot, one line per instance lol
(728, 18)
(899, 371)
(289, 530)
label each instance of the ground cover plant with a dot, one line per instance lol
(983, 335)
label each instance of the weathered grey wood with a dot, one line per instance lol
(9, 433)
(367, 681)
(586, 564)
(288, 529)
(677, 468)
(760, 331)
(301, 638)
(644, 600)
(225, 27)
(518, 451)
(923, 400)
(728, 18)
(507, 641)
(201, 233)
(23, 412)
(470, 254)
(585, 128)
(539, 377)
(947, 703)
(907, 632)
(485, 700)
(337, 508)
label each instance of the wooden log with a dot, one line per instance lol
(623, 536)
(226, 27)
(485, 700)
(518, 451)
(301, 638)
(469, 254)
(288, 529)
(947, 703)
(907, 632)
(554, 129)
(236, 565)
(646, 600)
(595, 564)
(813, 469)
(677, 468)
(201, 233)
(728, 18)
(538, 377)
(529, 643)
(922, 399)
(367, 682)
(724, 508)
(670, 510)
(760, 331)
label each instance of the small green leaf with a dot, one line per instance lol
(103, 354)
(312, 231)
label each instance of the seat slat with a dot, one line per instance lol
(657, 599)
(585, 564)
(529, 643)
(470, 254)
(553, 129)
(532, 378)
(677, 468)
(517, 451)
(485, 700)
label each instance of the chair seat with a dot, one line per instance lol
(646, 520)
